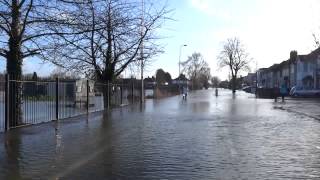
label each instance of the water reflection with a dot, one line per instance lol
(201, 107)
(13, 156)
(202, 138)
(234, 95)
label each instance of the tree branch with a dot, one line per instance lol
(3, 53)
(25, 17)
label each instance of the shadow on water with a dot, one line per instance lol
(12, 148)
(105, 145)
(201, 107)
(234, 95)
(232, 107)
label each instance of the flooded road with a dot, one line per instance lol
(205, 137)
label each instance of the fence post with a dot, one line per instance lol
(108, 95)
(7, 105)
(132, 91)
(57, 99)
(88, 90)
(121, 86)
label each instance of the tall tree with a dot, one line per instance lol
(215, 81)
(316, 40)
(160, 77)
(23, 33)
(197, 70)
(168, 78)
(235, 57)
(115, 33)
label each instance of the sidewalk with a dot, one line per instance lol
(304, 106)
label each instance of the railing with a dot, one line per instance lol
(2, 105)
(33, 102)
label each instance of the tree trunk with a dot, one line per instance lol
(104, 88)
(234, 84)
(14, 67)
(106, 97)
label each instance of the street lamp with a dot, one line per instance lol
(183, 45)
(256, 82)
(179, 80)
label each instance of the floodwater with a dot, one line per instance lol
(204, 137)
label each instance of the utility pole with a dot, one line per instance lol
(183, 45)
(179, 80)
(256, 79)
(141, 51)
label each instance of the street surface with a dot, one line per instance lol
(204, 137)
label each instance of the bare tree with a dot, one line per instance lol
(316, 40)
(197, 70)
(113, 40)
(24, 30)
(160, 77)
(235, 57)
(113, 32)
(99, 36)
(163, 77)
(215, 81)
(23, 33)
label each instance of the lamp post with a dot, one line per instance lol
(141, 51)
(256, 83)
(179, 81)
(183, 45)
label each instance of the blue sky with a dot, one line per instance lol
(270, 29)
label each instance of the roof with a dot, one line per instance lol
(304, 57)
(181, 77)
(284, 63)
(274, 67)
(315, 53)
(311, 56)
(148, 79)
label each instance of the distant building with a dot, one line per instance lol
(181, 80)
(300, 70)
(250, 79)
(224, 84)
(307, 75)
(72, 89)
(149, 83)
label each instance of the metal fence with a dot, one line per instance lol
(44, 101)
(2, 103)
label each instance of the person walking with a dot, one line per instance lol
(185, 93)
(283, 91)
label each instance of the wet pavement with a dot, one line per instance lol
(205, 137)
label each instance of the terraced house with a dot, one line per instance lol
(302, 71)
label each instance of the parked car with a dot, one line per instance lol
(249, 89)
(300, 92)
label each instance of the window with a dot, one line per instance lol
(311, 66)
(78, 89)
(305, 67)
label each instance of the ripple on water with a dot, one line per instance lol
(204, 137)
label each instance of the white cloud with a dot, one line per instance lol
(211, 8)
(273, 29)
